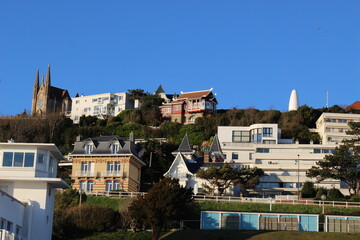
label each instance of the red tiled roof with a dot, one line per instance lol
(355, 105)
(197, 94)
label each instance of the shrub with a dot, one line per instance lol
(320, 191)
(308, 190)
(94, 218)
(334, 195)
(355, 198)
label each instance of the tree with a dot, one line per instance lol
(343, 164)
(220, 179)
(308, 190)
(165, 202)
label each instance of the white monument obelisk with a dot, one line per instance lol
(294, 101)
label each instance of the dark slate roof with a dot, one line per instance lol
(194, 167)
(184, 146)
(102, 145)
(215, 146)
(160, 90)
(59, 93)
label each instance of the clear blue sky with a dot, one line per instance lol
(252, 52)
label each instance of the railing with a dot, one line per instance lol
(241, 199)
(117, 194)
(113, 174)
(86, 174)
(6, 235)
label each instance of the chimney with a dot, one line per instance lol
(206, 156)
(132, 137)
(78, 138)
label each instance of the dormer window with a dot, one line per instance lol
(114, 148)
(88, 148)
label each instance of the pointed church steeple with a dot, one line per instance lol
(48, 81)
(36, 82)
(215, 145)
(184, 145)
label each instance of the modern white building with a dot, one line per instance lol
(285, 163)
(27, 189)
(332, 127)
(100, 105)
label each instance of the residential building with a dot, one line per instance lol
(285, 163)
(354, 108)
(48, 99)
(106, 163)
(167, 97)
(189, 106)
(332, 127)
(27, 189)
(100, 105)
(187, 163)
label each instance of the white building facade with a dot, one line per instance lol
(100, 105)
(27, 189)
(332, 127)
(285, 163)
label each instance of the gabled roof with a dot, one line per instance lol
(179, 160)
(184, 146)
(197, 94)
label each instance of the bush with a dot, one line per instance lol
(320, 191)
(93, 218)
(334, 195)
(355, 198)
(308, 190)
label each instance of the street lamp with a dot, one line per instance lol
(298, 173)
(323, 198)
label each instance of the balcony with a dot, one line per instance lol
(86, 174)
(113, 174)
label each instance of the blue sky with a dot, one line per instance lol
(252, 52)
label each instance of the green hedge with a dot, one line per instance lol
(114, 203)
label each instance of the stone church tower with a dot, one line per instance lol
(48, 99)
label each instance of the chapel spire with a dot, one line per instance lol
(48, 81)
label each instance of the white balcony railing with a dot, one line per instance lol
(113, 174)
(6, 235)
(86, 174)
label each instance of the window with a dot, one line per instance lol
(262, 150)
(342, 121)
(192, 119)
(241, 136)
(109, 186)
(18, 159)
(251, 156)
(88, 148)
(114, 148)
(117, 167)
(83, 185)
(51, 165)
(110, 166)
(95, 100)
(116, 185)
(267, 132)
(269, 142)
(77, 102)
(256, 135)
(120, 98)
(235, 156)
(85, 167)
(90, 186)
(41, 158)
(2, 223)
(9, 226)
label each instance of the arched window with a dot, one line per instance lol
(192, 119)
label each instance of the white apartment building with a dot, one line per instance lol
(27, 190)
(100, 105)
(285, 163)
(332, 127)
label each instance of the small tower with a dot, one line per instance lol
(35, 92)
(294, 101)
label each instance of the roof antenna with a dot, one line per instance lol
(327, 98)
